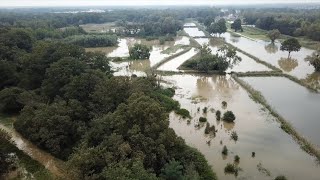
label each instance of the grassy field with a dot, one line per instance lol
(257, 33)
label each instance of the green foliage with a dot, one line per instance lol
(291, 44)
(218, 27)
(9, 100)
(229, 116)
(273, 35)
(314, 60)
(225, 57)
(236, 159)
(139, 51)
(224, 104)
(92, 40)
(202, 119)
(225, 150)
(236, 25)
(218, 115)
(204, 110)
(234, 135)
(231, 169)
(280, 178)
(172, 171)
(209, 129)
(183, 112)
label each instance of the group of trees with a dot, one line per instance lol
(69, 104)
(293, 22)
(93, 40)
(225, 58)
(218, 27)
(236, 25)
(139, 51)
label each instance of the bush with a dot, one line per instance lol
(234, 135)
(218, 115)
(168, 92)
(204, 110)
(139, 51)
(229, 116)
(209, 128)
(183, 112)
(224, 104)
(236, 159)
(225, 150)
(203, 119)
(230, 168)
(280, 178)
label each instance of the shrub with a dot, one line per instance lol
(183, 112)
(204, 110)
(168, 92)
(253, 154)
(230, 168)
(218, 115)
(280, 178)
(236, 159)
(209, 128)
(224, 104)
(203, 119)
(234, 135)
(225, 150)
(229, 116)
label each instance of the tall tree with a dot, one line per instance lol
(236, 25)
(274, 34)
(290, 45)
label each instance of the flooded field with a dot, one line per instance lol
(276, 152)
(174, 63)
(246, 65)
(295, 103)
(271, 53)
(129, 68)
(193, 31)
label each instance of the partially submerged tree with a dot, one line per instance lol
(218, 27)
(290, 45)
(139, 51)
(314, 59)
(273, 35)
(236, 25)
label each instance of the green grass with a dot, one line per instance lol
(285, 125)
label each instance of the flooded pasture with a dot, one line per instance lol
(174, 63)
(276, 152)
(194, 31)
(295, 66)
(295, 103)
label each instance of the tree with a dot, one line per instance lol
(290, 45)
(9, 100)
(139, 51)
(229, 116)
(273, 35)
(314, 59)
(172, 171)
(236, 25)
(218, 27)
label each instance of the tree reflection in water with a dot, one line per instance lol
(271, 48)
(288, 64)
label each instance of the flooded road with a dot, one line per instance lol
(51, 163)
(276, 152)
(295, 66)
(295, 103)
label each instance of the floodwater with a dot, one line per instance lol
(129, 68)
(183, 40)
(295, 66)
(246, 65)
(190, 24)
(193, 31)
(295, 103)
(276, 152)
(174, 63)
(51, 163)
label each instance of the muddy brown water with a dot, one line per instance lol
(295, 103)
(258, 131)
(54, 165)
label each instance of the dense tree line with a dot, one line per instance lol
(70, 105)
(293, 22)
(93, 40)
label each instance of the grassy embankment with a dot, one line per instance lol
(285, 125)
(24, 162)
(256, 33)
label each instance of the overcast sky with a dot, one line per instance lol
(6, 3)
